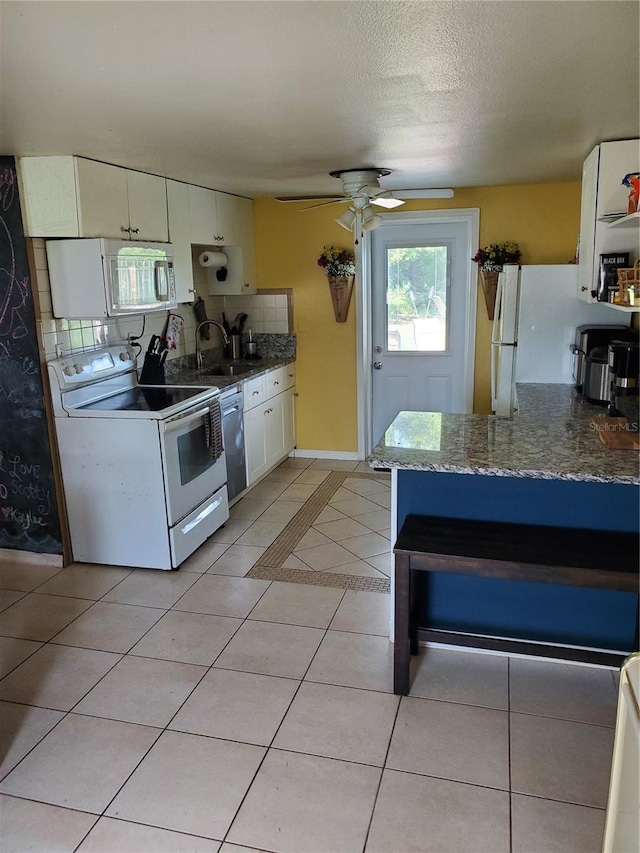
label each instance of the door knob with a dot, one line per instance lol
(377, 365)
(377, 349)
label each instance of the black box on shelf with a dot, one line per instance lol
(610, 263)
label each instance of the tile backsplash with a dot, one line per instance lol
(267, 313)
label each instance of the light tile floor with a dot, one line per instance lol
(206, 711)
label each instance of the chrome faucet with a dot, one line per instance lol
(201, 326)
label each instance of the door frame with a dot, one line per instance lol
(470, 216)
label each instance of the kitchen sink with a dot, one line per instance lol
(228, 369)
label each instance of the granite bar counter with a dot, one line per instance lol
(546, 466)
(551, 437)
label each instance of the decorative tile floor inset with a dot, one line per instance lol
(270, 565)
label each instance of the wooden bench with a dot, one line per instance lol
(556, 555)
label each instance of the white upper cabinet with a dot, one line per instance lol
(235, 222)
(232, 217)
(223, 221)
(48, 196)
(603, 194)
(180, 238)
(103, 206)
(203, 217)
(147, 196)
(74, 197)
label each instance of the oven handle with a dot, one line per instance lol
(205, 512)
(182, 420)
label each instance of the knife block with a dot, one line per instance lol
(152, 369)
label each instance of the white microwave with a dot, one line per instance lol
(94, 278)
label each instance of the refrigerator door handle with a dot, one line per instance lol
(494, 362)
(496, 335)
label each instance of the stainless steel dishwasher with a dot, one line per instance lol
(231, 402)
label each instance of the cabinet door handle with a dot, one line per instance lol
(276, 383)
(125, 230)
(134, 230)
(255, 393)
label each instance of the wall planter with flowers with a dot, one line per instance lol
(491, 259)
(339, 266)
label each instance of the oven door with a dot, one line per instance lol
(191, 475)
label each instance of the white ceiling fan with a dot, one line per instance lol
(360, 189)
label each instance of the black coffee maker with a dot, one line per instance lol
(624, 364)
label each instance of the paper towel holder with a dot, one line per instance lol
(212, 260)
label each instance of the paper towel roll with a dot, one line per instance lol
(213, 259)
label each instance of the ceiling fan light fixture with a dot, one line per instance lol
(347, 219)
(370, 219)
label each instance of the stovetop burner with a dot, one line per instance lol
(104, 384)
(143, 398)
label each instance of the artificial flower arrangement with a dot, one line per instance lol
(493, 257)
(337, 262)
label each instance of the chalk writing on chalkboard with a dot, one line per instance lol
(28, 510)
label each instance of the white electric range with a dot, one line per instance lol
(141, 486)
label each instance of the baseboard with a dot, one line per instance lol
(30, 558)
(524, 649)
(347, 455)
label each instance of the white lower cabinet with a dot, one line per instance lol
(289, 419)
(269, 424)
(255, 443)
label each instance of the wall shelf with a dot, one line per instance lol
(628, 309)
(632, 220)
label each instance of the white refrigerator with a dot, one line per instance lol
(536, 314)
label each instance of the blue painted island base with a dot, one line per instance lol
(502, 608)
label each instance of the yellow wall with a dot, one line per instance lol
(542, 218)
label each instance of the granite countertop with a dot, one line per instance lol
(551, 437)
(193, 376)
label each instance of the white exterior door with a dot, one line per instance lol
(423, 293)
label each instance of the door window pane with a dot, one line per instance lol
(417, 299)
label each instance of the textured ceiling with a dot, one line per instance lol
(266, 98)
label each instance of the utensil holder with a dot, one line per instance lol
(235, 341)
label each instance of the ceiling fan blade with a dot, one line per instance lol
(308, 197)
(424, 192)
(326, 203)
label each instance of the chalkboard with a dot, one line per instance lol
(29, 519)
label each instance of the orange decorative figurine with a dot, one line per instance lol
(632, 180)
